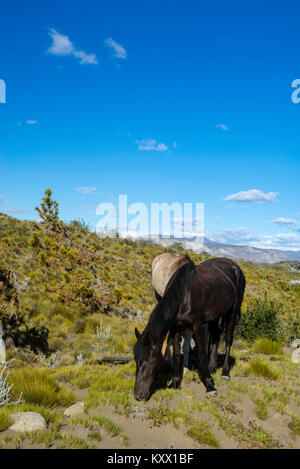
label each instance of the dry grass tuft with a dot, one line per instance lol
(201, 433)
(259, 367)
(268, 347)
(38, 387)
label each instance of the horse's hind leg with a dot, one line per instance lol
(228, 343)
(231, 321)
(205, 376)
(214, 332)
(177, 374)
(229, 331)
(187, 337)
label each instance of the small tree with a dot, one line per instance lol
(262, 318)
(9, 304)
(94, 297)
(48, 211)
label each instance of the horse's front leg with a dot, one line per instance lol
(187, 337)
(178, 361)
(204, 374)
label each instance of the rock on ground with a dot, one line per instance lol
(75, 410)
(295, 343)
(27, 422)
(296, 356)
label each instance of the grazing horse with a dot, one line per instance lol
(164, 267)
(210, 293)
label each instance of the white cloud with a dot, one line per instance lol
(188, 227)
(252, 196)
(281, 221)
(244, 236)
(86, 190)
(149, 144)
(240, 235)
(17, 211)
(287, 241)
(31, 122)
(62, 46)
(119, 50)
(85, 58)
(222, 126)
(2, 201)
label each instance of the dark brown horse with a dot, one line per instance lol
(210, 293)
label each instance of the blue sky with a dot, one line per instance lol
(163, 101)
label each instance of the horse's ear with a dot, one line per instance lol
(138, 335)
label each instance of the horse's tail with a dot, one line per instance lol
(235, 311)
(240, 290)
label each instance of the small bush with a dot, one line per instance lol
(5, 388)
(160, 415)
(201, 433)
(261, 319)
(294, 425)
(5, 420)
(94, 435)
(268, 346)
(259, 367)
(261, 409)
(93, 420)
(38, 387)
(292, 326)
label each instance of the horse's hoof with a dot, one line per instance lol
(176, 384)
(226, 377)
(212, 393)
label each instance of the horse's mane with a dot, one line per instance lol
(176, 293)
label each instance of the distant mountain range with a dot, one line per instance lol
(246, 253)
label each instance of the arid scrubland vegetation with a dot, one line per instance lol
(79, 298)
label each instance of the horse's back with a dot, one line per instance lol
(163, 267)
(227, 267)
(220, 284)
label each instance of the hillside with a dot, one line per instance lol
(66, 328)
(233, 251)
(46, 269)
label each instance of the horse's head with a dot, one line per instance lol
(146, 357)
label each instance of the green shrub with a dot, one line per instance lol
(34, 241)
(38, 387)
(5, 420)
(202, 434)
(259, 367)
(261, 409)
(261, 319)
(294, 426)
(292, 326)
(268, 346)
